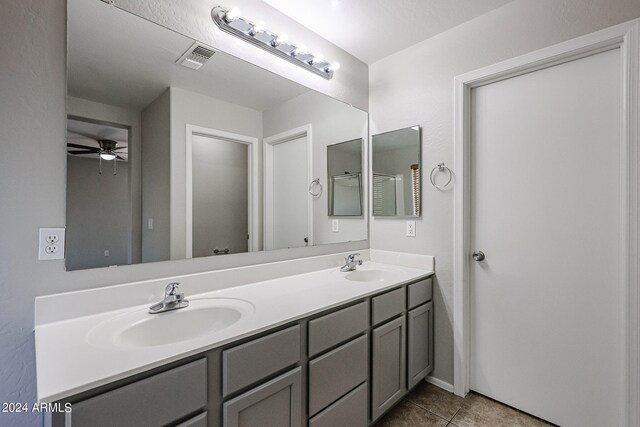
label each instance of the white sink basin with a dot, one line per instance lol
(372, 275)
(203, 318)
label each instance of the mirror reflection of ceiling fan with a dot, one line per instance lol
(106, 149)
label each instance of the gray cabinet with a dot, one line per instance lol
(419, 343)
(334, 374)
(276, 403)
(349, 411)
(388, 370)
(344, 367)
(154, 401)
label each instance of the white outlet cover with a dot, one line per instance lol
(335, 226)
(411, 229)
(51, 243)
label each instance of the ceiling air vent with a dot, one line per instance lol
(196, 56)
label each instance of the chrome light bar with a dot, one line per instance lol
(229, 22)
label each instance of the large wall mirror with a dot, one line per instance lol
(177, 150)
(396, 173)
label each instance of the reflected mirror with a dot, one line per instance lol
(178, 150)
(396, 173)
(344, 171)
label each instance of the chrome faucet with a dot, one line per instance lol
(350, 263)
(172, 300)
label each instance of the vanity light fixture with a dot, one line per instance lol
(255, 33)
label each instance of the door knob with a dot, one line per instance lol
(478, 256)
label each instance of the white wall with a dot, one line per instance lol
(332, 122)
(200, 110)
(415, 86)
(33, 168)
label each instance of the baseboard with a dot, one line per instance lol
(439, 383)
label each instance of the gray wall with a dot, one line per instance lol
(131, 118)
(156, 163)
(33, 168)
(415, 86)
(96, 220)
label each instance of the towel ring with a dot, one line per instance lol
(440, 168)
(311, 185)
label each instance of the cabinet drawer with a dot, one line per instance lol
(333, 374)
(197, 421)
(420, 292)
(334, 328)
(250, 362)
(350, 411)
(387, 305)
(157, 400)
(277, 403)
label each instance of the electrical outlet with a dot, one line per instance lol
(335, 226)
(150, 224)
(51, 243)
(411, 229)
(106, 252)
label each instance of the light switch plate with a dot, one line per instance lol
(335, 226)
(51, 243)
(411, 229)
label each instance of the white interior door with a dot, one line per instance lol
(288, 219)
(545, 210)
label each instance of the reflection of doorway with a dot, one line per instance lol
(99, 216)
(288, 209)
(222, 199)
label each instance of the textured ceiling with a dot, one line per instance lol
(373, 29)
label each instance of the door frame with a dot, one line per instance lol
(253, 207)
(268, 143)
(626, 37)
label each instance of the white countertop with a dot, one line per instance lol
(68, 363)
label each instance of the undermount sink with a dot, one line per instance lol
(203, 317)
(373, 275)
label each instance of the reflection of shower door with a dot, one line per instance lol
(287, 201)
(385, 194)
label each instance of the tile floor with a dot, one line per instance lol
(428, 405)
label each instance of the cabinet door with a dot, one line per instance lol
(277, 403)
(388, 375)
(420, 343)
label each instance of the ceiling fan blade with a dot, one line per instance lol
(81, 152)
(120, 148)
(84, 147)
(120, 158)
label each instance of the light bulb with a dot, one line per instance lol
(318, 58)
(301, 49)
(232, 14)
(107, 155)
(260, 26)
(282, 39)
(335, 66)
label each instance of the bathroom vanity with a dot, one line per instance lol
(346, 362)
